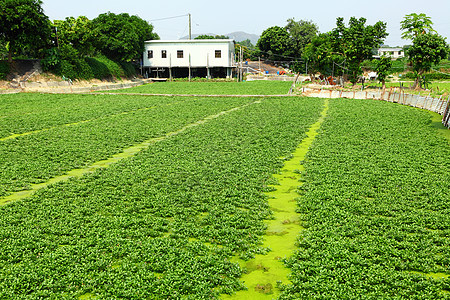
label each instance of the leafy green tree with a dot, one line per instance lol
(356, 42)
(121, 37)
(4, 46)
(383, 68)
(246, 43)
(249, 50)
(319, 55)
(427, 49)
(221, 37)
(204, 37)
(75, 32)
(415, 24)
(301, 34)
(23, 26)
(274, 43)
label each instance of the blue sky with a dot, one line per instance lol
(221, 17)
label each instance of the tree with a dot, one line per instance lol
(301, 33)
(75, 32)
(249, 51)
(23, 26)
(274, 43)
(204, 37)
(221, 37)
(383, 67)
(319, 55)
(121, 37)
(356, 42)
(427, 49)
(415, 24)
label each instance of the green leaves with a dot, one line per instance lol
(416, 24)
(121, 37)
(276, 41)
(375, 205)
(383, 67)
(24, 25)
(356, 42)
(163, 224)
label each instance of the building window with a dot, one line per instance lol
(163, 53)
(218, 53)
(150, 54)
(179, 53)
(399, 52)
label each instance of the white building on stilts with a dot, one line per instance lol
(209, 58)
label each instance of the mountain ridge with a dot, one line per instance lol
(238, 36)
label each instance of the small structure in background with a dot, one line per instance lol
(393, 53)
(209, 58)
(372, 75)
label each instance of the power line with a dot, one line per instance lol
(168, 18)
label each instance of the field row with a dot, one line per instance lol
(163, 224)
(169, 222)
(37, 157)
(21, 113)
(375, 207)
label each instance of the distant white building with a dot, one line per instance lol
(189, 58)
(393, 53)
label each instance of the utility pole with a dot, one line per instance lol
(190, 27)
(259, 61)
(242, 66)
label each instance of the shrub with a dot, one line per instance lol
(51, 60)
(4, 70)
(429, 76)
(72, 65)
(129, 69)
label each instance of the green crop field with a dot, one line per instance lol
(183, 205)
(214, 88)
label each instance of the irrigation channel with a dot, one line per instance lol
(127, 152)
(264, 272)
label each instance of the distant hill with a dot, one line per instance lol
(238, 36)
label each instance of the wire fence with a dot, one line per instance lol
(438, 105)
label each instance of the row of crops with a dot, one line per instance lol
(375, 206)
(170, 222)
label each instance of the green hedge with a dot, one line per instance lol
(129, 69)
(104, 68)
(398, 66)
(68, 62)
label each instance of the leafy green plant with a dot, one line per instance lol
(162, 224)
(383, 67)
(375, 206)
(103, 68)
(72, 65)
(51, 60)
